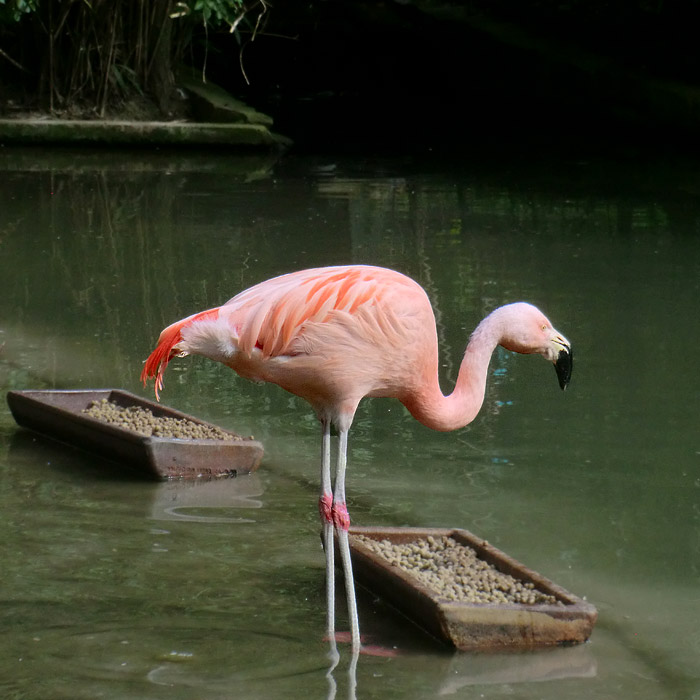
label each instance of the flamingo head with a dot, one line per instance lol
(525, 329)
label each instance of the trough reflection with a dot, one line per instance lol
(33, 459)
(207, 501)
(526, 667)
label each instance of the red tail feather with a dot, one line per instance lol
(158, 360)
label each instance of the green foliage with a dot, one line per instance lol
(14, 10)
(215, 12)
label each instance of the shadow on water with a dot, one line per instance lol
(118, 587)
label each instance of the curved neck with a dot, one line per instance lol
(440, 412)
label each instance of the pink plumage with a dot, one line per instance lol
(334, 335)
(330, 335)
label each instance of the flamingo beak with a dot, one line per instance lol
(564, 364)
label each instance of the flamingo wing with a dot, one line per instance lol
(273, 314)
(269, 319)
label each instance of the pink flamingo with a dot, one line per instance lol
(334, 335)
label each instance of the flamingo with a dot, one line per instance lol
(335, 335)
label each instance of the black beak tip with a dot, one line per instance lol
(564, 366)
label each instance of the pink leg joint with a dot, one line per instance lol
(325, 507)
(341, 517)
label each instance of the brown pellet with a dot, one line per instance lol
(454, 572)
(142, 421)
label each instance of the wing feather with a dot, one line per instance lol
(271, 316)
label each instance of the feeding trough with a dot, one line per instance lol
(536, 612)
(66, 416)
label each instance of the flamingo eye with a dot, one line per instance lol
(544, 326)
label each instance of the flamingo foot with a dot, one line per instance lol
(345, 637)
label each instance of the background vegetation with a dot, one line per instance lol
(359, 72)
(90, 57)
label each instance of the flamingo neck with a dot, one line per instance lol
(439, 412)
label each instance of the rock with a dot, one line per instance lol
(135, 133)
(211, 103)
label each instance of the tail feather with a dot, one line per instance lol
(158, 360)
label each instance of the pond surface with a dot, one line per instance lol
(117, 587)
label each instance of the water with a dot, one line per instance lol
(116, 587)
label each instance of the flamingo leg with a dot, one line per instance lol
(341, 520)
(325, 507)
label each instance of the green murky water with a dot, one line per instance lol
(119, 588)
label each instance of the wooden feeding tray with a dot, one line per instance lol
(563, 619)
(61, 415)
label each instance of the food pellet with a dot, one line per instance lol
(142, 421)
(454, 572)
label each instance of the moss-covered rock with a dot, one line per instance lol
(211, 103)
(135, 133)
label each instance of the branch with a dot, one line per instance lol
(13, 62)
